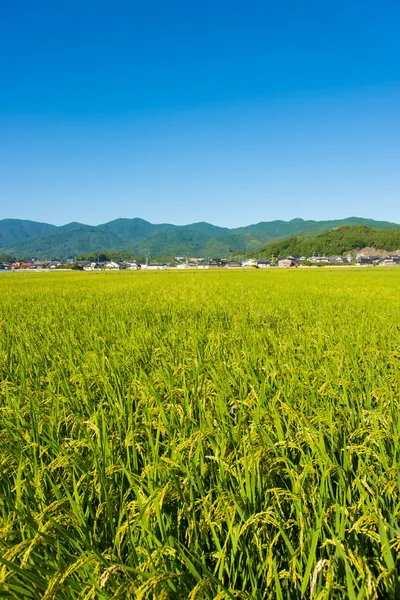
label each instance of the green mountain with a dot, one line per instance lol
(75, 226)
(27, 239)
(130, 230)
(335, 242)
(180, 242)
(64, 244)
(15, 231)
(261, 233)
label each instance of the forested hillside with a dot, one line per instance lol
(16, 231)
(336, 242)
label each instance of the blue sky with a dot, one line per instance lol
(227, 112)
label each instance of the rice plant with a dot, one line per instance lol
(200, 435)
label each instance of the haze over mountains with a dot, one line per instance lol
(30, 239)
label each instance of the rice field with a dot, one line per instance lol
(200, 435)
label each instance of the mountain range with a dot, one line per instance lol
(31, 239)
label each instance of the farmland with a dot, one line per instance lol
(200, 435)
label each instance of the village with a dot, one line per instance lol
(358, 260)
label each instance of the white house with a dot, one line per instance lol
(92, 267)
(250, 262)
(111, 266)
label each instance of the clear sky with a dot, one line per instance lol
(221, 111)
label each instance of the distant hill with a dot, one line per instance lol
(15, 231)
(335, 242)
(28, 239)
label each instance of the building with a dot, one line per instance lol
(21, 265)
(390, 261)
(112, 266)
(81, 264)
(319, 260)
(92, 267)
(250, 262)
(337, 260)
(263, 264)
(40, 264)
(365, 261)
(286, 262)
(234, 264)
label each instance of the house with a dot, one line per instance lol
(263, 264)
(21, 265)
(40, 264)
(234, 264)
(132, 266)
(92, 267)
(365, 261)
(319, 260)
(337, 260)
(286, 262)
(217, 263)
(112, 266)
(81, 264)
(362, 260)
(250, 262)
(390, 261)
